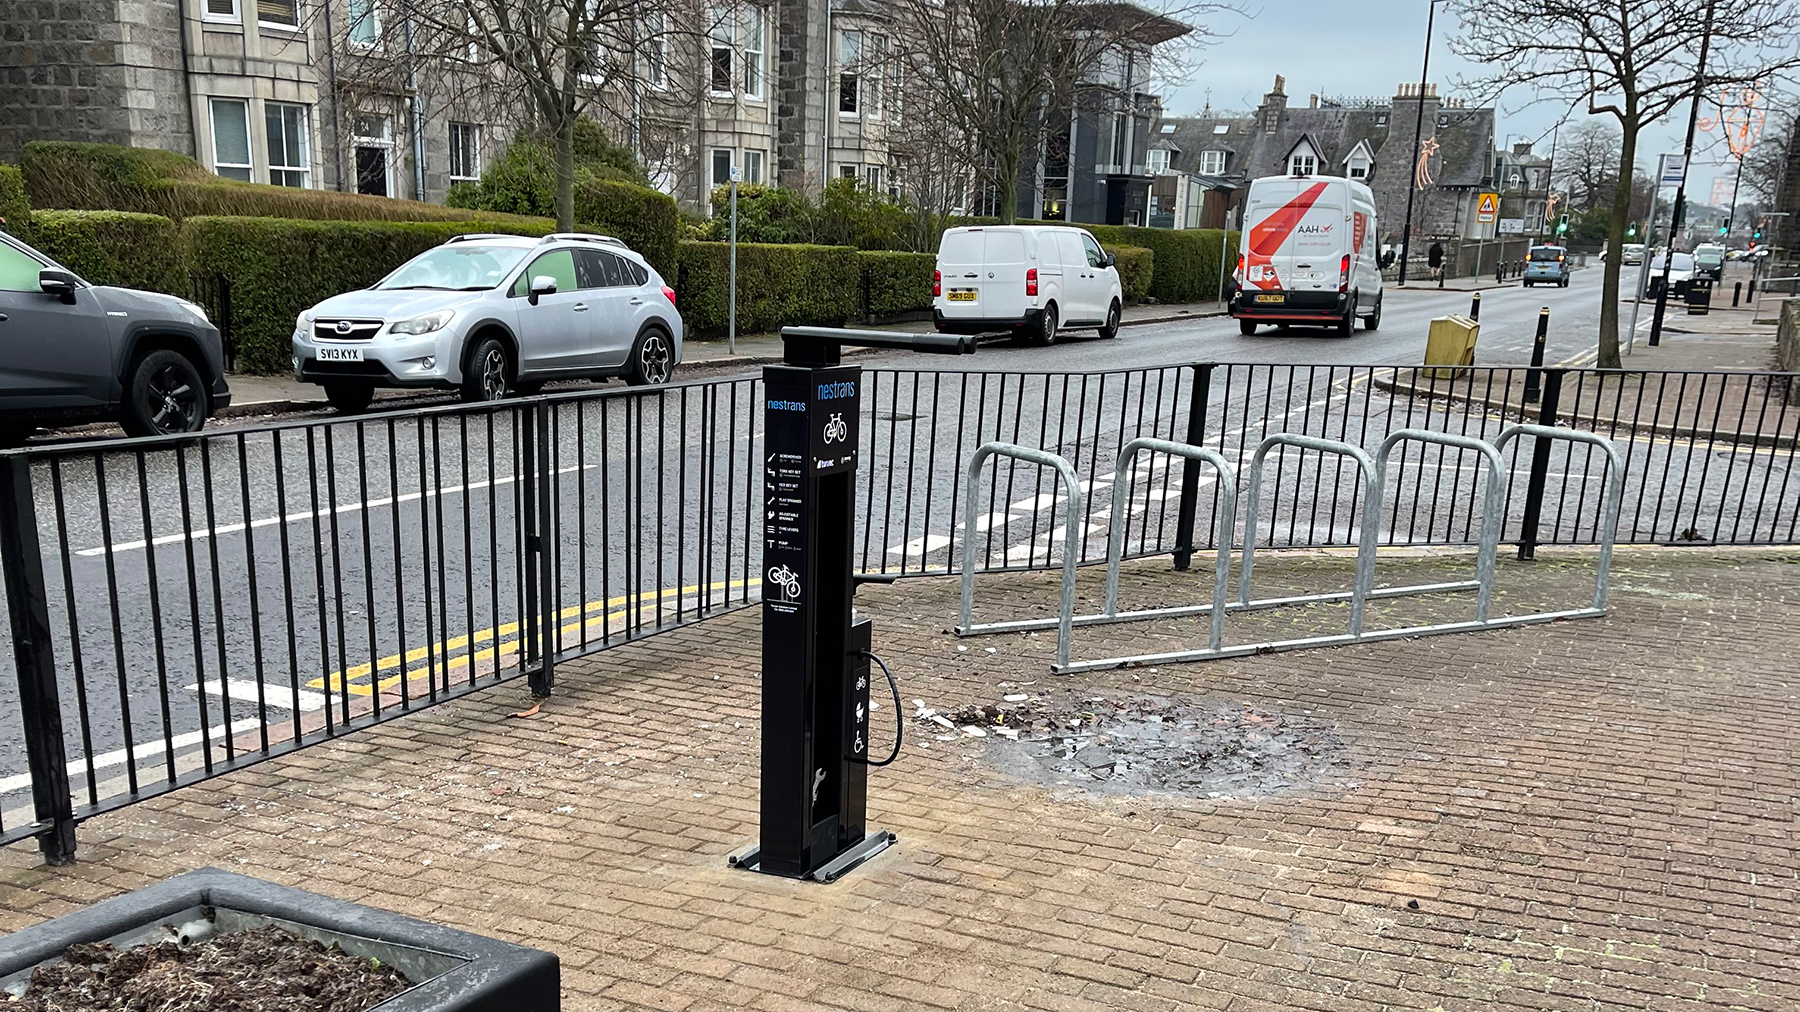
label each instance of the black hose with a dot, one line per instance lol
(899, 721)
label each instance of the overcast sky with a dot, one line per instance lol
(1330, 47)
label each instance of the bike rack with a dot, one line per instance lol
(1374, 472)
(1615, 500)
(1115, 553)
(1065, 613)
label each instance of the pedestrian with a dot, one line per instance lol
(1435, 258)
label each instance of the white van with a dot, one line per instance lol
(1034, 280)
(1308, 255)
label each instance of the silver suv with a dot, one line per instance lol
(491, 314)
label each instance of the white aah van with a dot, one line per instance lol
(1308, 255)
(1034, 280)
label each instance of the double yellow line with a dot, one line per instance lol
(503, 640)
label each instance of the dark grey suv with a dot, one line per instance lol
(71, 351)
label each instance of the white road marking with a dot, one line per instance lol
(243, 690)
(921, 547)
(150, 751)
(301, 517)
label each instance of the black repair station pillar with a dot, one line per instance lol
(815, 710)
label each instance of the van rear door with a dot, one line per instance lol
(984, 273)
(1297, 237)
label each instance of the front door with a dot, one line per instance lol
(614, 303)
(1078, 295)
(52, 354)
(556, 335)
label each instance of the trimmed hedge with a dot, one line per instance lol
(895, 282)
(1187, 260)
(1136, 269)
(646, 219)
(15, 207)
(114, 247)
(111, 177)
(278, 267)
(777, 286)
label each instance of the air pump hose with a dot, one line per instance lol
(899, 721)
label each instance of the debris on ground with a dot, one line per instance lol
(1156, 744)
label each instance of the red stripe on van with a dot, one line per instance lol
(1268, 235)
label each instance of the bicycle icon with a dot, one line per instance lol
(787, 580)
(836, 431)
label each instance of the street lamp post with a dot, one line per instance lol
(1418, 138)
(1687, 159)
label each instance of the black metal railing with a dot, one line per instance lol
(185, 607)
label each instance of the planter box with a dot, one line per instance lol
(452, 971)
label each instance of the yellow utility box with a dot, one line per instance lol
(1451, 342)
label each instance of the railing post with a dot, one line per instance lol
(536, 650)
(1540, 467)
(1198, 398)
(1534, 375)
(40, 706)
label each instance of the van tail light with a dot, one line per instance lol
(669, 293)
(1031, 281)
(1344, 274)
(1559, 258)
(937, 283)
(1240, 270)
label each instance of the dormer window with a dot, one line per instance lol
(1212, 163)
(1302, 163)
(1359, 167)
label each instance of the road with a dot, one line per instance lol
(265, 583)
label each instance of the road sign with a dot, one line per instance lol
(1671, 170)
(737, 173)
(1512, 226)
(1488, 209)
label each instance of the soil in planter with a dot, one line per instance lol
(265, 970)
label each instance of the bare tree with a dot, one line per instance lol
(1587, 165)
(1000, 71)
(560, 60)
(1636, 61)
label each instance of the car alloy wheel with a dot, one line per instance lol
(173, 400)
(493, 374)
(655, 358)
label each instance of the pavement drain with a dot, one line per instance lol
(1143, 744)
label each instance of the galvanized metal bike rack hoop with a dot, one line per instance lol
(1374, 473)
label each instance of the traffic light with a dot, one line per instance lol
(1562, 224)
(1631, 230)
(1725, 229)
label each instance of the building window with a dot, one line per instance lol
(374, 154)
(721, 166)
(473, 51)
(849, 57)
(1212, 163)
(365, 23)
(465, 151)
(231, 138)
(1359, 166)
(656, 51)
(847, 171)
(750, 33)
(874, 176)
(721, 52)
(871, 81)
(282, 13)
(753, 167)
(290, 161)
(221, 10)
(1302, 163)
(1159, 161)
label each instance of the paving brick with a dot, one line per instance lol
(1587, 815)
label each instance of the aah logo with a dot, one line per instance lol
(1314, 230)
(788, 580)
(836, 431)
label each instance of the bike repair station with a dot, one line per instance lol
(816, 653)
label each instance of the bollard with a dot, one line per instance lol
(1752, 291)
(1737, 294)
(1534, 376)
(1475, 306)
(1500, 272)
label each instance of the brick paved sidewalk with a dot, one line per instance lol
(1594, 815)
